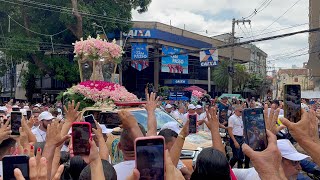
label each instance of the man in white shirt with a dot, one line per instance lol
(168, 108)
(178, 114)
(202, 118)
(40, 132)
(191, 110)
(235, 130)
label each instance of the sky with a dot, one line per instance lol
(215, 17)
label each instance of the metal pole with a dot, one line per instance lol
(209, 79)
(120, 65)
(231, 57)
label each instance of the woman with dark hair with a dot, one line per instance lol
(211, 164)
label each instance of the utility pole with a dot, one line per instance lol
(230, 68)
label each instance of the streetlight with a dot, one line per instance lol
(104, 32)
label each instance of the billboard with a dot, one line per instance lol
(175, 63)
(209, 57)
(139, 53)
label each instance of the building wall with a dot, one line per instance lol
(293, 76)
(258, 61)
(314, 41)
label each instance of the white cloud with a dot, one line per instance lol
(215, 17)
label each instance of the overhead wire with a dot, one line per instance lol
(281, 15)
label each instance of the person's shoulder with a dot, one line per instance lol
(124, 169)
(35, 130)
(244, 174)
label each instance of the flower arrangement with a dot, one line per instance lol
(98, 93)
(197, 94)
(95, 49)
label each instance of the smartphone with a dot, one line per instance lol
(81, 134)
(15, 109)
(255, 129)
(292, 102)
(15, 122)
(193, 123)
(90, 119)
(109, 119)
(150, 157)
(9, 163)
(29, 114)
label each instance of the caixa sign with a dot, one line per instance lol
(139, 33)
(179, 81)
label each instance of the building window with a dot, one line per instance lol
(296, 80)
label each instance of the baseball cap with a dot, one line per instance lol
(198, 106)
(171, 125)
(168, 106)
(191, 106)
(45, 115)
(288, 151)
(26, 107)
(37, 105)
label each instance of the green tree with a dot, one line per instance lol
(37, 31)
(220, 76)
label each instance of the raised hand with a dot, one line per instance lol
(152, 101)
(72, 113)
(271, 119)
(5, 131)
(127, 119)
(268, 162)
(54, 136)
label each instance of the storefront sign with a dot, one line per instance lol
(175, 63)
(209, 57)
(139, 53)
(180, 81)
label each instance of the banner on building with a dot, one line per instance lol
(176, 63)
(139, 53)
(209, 57)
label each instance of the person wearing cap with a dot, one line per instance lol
(202, 117)
(168, 108)
(235, 130)
(178, 114)
(290, 162)
(191, 111)
(45, 119)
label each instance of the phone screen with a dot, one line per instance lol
(150, 158)
(255, 129)
(16, 122)
(292, 102)
(193, 123)
(110, 120)
(90, 119)
(81, 133)
(12, 162)
(28, 114)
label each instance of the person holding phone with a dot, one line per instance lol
(191, 111)
(235, 130)
(45, 119)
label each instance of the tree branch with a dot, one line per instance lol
(77, 29)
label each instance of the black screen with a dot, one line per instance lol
(292, 103)
(15, 122)
(193, 123)
(80, 139)
(28, 115)
(12, 162)
(255, 129)
(110, 120)
(150, 159)
(90, 119)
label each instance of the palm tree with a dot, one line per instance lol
(220, 76)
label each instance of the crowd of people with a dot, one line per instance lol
(45, 138)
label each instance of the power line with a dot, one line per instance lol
(257, 10)
(281, 16)
(242, 43)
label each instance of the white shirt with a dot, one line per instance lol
(40, 135)
(177, 115)
(244, 174)
(180, 165)
(203, 116)
(1, 170)
(236, 123)
(35, 127)
(124, 169)
(186, 116)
